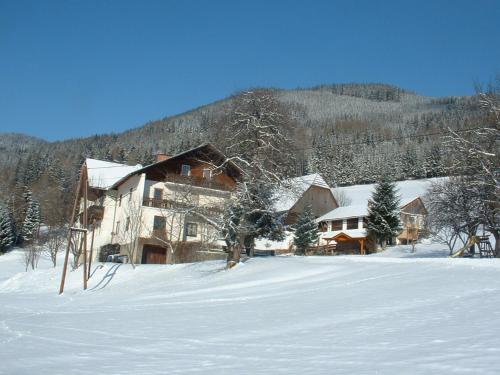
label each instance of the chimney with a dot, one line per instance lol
(161, 156)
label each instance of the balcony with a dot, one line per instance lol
(197, 181)
(181, 206)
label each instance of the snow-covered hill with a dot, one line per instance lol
(391, 313)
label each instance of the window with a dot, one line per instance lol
(186, 170)
(158, 194)
(117, 231)
(365, 222)
(352, 223)
(337, 225)
(159, 223)
(322, 227)
(120, 200)
(207, 173)
(127, 224)
(130, 194)
(191, 229)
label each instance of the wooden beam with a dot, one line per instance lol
(91, 248)
(85, 223)
(71, 224)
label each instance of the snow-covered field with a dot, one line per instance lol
(390, 313)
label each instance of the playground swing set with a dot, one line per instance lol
(485, 250)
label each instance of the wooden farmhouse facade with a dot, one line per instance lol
(300, 192)
(346, 227)
(160, 213)
(413, 219)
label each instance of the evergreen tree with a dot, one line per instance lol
(31, 219)
(306, 231)
(383, 212)
(6, 232)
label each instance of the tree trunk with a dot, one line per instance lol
(383, 243)
(496, 234)
(233, 257)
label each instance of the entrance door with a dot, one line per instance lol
(154, 255)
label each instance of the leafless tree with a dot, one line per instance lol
(31, 254)
(257, 137)
(130, 234)
(182, 206)
(341, 197)
(453, 211)
(477, 162)
(76, 246)
(54, 239)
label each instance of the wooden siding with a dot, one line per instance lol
(320, 199)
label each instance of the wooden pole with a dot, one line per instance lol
(85, 223)
(71, 223)
(91, 248)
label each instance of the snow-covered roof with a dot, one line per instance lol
(345, 213)
(406, 201)
(203, 147)
(103, 174)
(353, 233)
(407, 190)
(294, 189)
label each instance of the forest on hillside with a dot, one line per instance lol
(350, 133)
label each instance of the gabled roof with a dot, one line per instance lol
(206, 149)
(345, 212)
(104, 174)
(360, 210)
(407, 190)
(349, 233)
(405, 202)
(294, 188)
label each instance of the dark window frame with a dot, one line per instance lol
(185, 170)
(191, 229)
(352, 223)
(155, 190)
(159, 223)
(335, 225)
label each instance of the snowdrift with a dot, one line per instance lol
(392, 313)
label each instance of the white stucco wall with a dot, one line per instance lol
(132, 192)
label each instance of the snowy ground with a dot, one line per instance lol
(391, 313)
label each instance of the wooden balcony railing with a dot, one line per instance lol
(175, 205)
(209, 183)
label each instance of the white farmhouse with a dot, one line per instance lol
(160, 213)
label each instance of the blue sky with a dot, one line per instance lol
(77, 68)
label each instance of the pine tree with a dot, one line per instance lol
(6, 232)
(32, 218)
(306, 231)
(383, 212)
